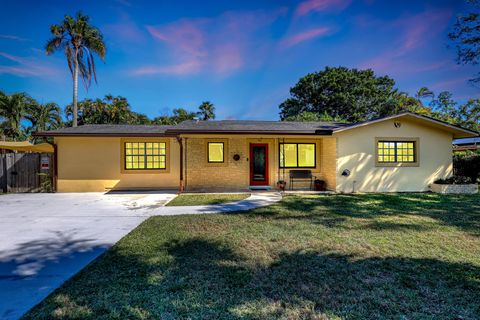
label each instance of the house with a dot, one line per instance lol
(404, 152)
(464, 144)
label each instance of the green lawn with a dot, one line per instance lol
(404, 256)
(206, 199)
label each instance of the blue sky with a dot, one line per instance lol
(241, 55)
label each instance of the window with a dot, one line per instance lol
(297, 155)
(215, 152)
(145, 155)
(396, 151)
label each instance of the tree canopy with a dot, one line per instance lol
(465, 36)
(349, 94)
(109, 110)
(313, 116)
(178, 115)
(21, 115)
(445, 108)
(207, 110)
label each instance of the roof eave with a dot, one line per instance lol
(63, 134)
(266, 132)
(467, 132)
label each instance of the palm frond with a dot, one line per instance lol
(53, 44)
(70, 58)
(94, 69)
(84, 74)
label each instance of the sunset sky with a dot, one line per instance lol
(241, 55)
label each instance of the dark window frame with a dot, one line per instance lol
(144, 155)
(395, 148)
(223, 151)
(297, 167)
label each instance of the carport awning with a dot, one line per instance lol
(25, 146)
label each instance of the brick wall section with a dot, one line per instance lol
(326, 163)
(329, 162)
(204, 176)
(235, 175)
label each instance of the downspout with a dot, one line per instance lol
(181, 186)
(283, 154)
(186, 163)
(55, 167)
(278, 159)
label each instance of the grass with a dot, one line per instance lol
(404, 256)
(206, 199)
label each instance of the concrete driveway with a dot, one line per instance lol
(46, 238)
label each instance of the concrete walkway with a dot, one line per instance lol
(47, 238)
(256, 200)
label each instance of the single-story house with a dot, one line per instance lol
(466, 144)
(404, 152)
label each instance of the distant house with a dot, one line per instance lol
(464, 144)
(404, 152)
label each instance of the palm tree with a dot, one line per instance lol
(79, 41)
(44, 116)
(181, 114)
(424, 92)
(12, 111)
(207, 110)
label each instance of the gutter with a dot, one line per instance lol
(174, 134)
(61, 134)
(268, 132)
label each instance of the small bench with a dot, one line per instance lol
(301, 175)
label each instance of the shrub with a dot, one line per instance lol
(454, 180)
(467, 164)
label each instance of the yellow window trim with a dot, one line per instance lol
(416, 141)
(225, 152)
(319, 155)
(297, 156)
(211, 155)
(144, 171)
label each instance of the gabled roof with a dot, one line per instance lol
(457, 131)
(260, 127)
(114, 130)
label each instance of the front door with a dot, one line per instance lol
(258, 164)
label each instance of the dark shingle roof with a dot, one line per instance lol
(108, 130)
(247, 126)
(222, 126)
(241, 126)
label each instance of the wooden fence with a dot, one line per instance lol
(26, 172)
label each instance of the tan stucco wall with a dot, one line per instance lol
(356, 152)
(94, 164)
(235, 175)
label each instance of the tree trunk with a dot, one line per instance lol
(75, 92)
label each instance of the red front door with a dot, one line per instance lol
(258, 164)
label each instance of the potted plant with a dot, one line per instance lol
(455, 184)
(281, 184)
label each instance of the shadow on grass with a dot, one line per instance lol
(461, 211)
(201, 279)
